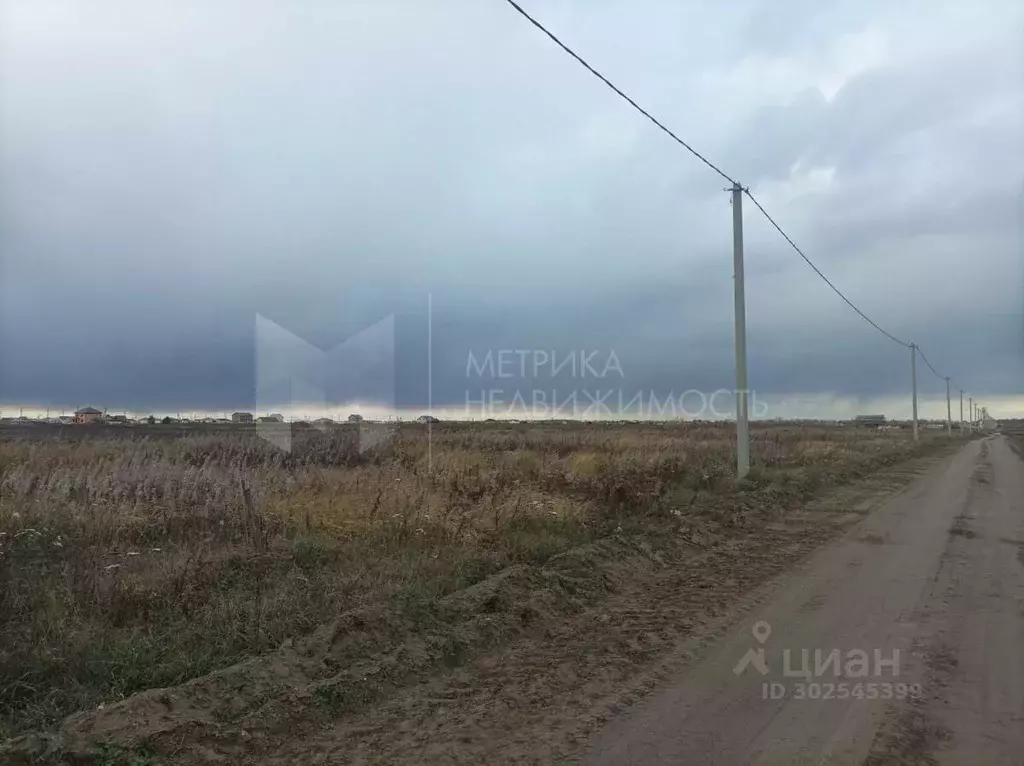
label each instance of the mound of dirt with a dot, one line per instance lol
(641, 592)
(349, 663)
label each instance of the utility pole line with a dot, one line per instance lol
(742, 424)
(970, 414)
(913, 382)
(949, 414)
(742, 393)
(961, 411)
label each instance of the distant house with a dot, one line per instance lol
(869, 420)
(241, 417)
(270, 419)
(323, 422)
(88, 415)
(118, 419)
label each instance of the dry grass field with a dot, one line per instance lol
(1014, 430)
(133, 559)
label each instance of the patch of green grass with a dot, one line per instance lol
(133, 563)
(335, 698)
(535, 539)
(313, 551)
(112, 755)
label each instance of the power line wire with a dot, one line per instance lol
(608, 82)
(818, 271)
(720, 172)
(929, 364)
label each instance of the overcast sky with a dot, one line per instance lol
(172, 170)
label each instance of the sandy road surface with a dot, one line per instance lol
(630, 650)
(937, 576)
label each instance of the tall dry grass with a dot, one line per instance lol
(130, 561)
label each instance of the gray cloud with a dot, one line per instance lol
(165, 176)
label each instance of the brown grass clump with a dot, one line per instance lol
(131, 561)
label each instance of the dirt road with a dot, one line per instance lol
(921, 610)
(900, 594)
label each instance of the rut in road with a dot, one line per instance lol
(972, 632)
(934, 576)
(646, 675)
(537, 700)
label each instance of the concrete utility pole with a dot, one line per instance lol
(913, 382)
(742, 424)
(970, 413)
(949, 413)
(961, 411)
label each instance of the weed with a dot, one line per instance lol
(144, 559)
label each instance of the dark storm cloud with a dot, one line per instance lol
(165, 178)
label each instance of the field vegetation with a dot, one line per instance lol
(137, 558)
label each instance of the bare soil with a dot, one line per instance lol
(943, 592)
(525, 666)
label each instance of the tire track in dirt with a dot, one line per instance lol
(962, 656)
(598, 628)
(539, 699)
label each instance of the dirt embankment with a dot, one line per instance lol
(531, 645)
